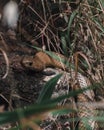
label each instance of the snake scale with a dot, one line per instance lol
(41, 60)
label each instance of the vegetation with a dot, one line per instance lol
(75, 29)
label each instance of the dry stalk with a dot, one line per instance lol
(7, 63)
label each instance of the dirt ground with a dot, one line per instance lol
(21, 87)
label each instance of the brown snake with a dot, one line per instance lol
(41, 60)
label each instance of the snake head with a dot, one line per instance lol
(31, 63)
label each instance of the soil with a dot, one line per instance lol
(21, 86)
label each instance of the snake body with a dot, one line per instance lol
(41, 60)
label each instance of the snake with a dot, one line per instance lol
(42, 60)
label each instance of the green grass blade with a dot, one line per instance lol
(72, 94)
(69, 25)
(99, 25)
(64, 44)
(102, 3)
(47, 105)
(62, 112)
(16, 115)
(48, 89)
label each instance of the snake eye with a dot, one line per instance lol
(30, 63)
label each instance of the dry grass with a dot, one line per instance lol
(74, 29)
(68, 28)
